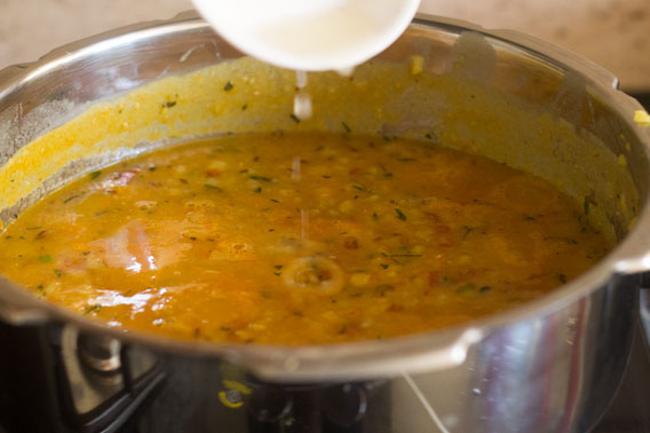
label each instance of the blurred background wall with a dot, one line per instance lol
(614, 33)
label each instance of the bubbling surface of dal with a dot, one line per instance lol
(298, 239)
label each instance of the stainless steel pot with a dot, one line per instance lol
(550, 366)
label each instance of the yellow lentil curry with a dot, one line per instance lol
(299, 239)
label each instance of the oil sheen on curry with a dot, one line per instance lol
(299, 239)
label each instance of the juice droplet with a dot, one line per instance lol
(302, 108)
(301, 79)
(296, 169)
(302, 100)
(346, 72)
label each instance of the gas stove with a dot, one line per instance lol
(94, 386)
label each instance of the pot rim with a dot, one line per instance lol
(367, 359)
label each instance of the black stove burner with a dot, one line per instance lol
(232, 402)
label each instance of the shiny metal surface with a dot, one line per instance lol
(546, 374)
(89, 386)
(99, 353)
(549, 366)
